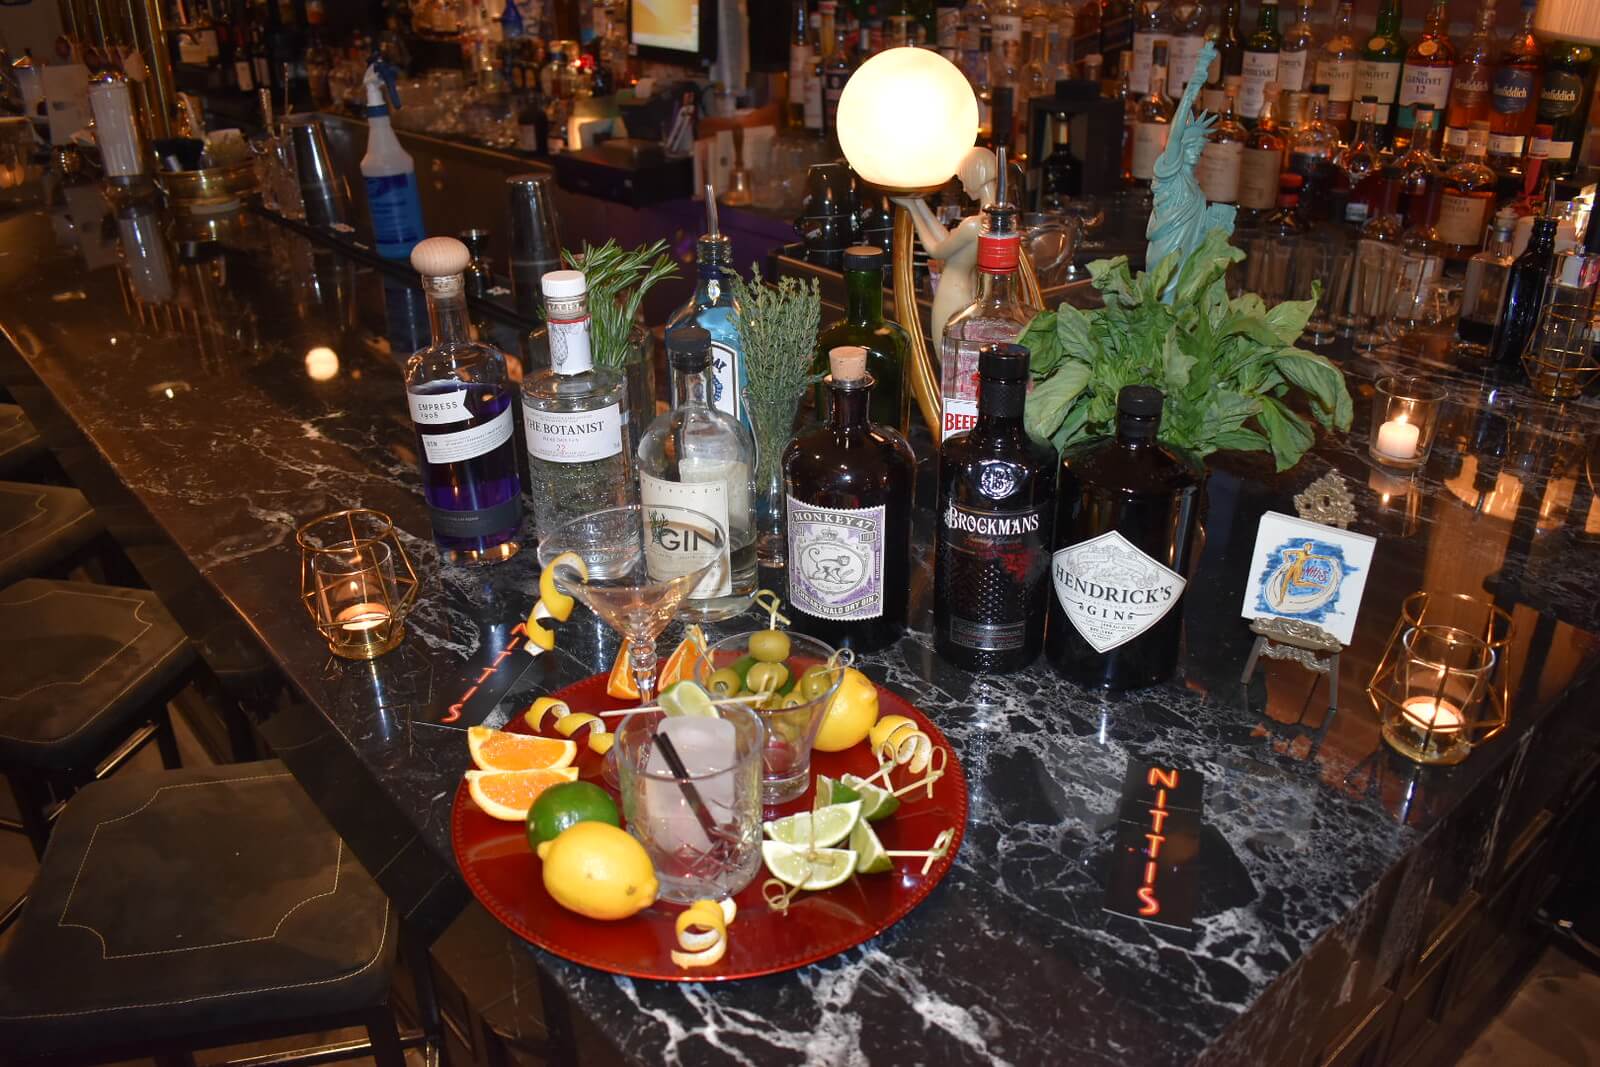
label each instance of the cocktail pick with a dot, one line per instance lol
(748, 698)
(930, 856)
(770, 602)
(936, 765)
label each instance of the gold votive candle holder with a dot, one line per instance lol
(356, 582)
(1560, 359)
(1405, 416)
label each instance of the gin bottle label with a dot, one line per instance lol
(1112, 592)
(991, 561)
(724, 380)
(836, 561)
(469, 443)
(709, 499)
(573, 436)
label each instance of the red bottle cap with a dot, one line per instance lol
(998, 254)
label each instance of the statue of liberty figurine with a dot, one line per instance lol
(1181, 218)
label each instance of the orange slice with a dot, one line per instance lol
(497, 750)
(620, 684)
(509, 794)
(688, 656)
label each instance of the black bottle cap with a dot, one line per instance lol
(689, 348)
(1545, 227)
(1140, 401)
(1003, 363)
(863, 257)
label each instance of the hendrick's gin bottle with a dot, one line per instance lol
(1125, 514)
(996, 507)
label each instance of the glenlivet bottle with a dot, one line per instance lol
(460, 398)
(1125, 515)
(997, 486)
(849, 518)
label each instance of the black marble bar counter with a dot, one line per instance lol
(1347, 899)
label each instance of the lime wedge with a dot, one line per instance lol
(871, 857)
(816, 829)
(821, 868)
(687, 698)
(833, 791)
(875, 803)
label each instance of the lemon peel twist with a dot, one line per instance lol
(702, 931)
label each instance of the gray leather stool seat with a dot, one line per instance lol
(183, 908)
(40, 526)
(20, 443)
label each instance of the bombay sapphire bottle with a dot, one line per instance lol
(460, 398)
(712, 309)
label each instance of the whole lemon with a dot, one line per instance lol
(598, 870)
(850, 714)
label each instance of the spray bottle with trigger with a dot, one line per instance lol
(388, 171)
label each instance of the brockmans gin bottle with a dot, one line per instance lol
(460, 398)
(1125, 513)
(992, 546)
(849, 511)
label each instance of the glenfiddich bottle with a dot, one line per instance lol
(992, 545)
(1125, 513)
(849, 515)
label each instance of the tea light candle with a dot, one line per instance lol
(1424, 712)
(364, 616)
(1398, 438)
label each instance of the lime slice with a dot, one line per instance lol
(816, 829)
(821, 868)
(871, 856)
(687, 698)
(875, 803)
(833, 791)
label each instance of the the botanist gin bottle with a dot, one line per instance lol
(460, 399)
(574, 415)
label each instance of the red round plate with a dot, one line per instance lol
(504, 874)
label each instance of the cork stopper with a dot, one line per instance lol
(848, 363)
(440, 257)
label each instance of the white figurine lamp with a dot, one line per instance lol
(906, 118)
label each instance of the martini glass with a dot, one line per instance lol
(643, 560)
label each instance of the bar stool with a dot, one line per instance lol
(20, 443)
(189, 909)
(41, 527)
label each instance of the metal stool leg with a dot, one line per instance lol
(385, 1038)
(166, 740)
(33, 806)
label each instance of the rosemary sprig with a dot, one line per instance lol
(618, 280)
(777, 327)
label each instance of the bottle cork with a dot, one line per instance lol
(440, 257)
(848, 363)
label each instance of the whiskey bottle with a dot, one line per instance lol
(1514, 95)
(1563, 104)
(1425, 78)
(1153, 120)
(1378, 72)
(1470, 84)
(992, 544)
(1466, 197)
(1188, 29)
(1152, 26)
(887, 345)
(1218, 169)
(1299, 47)
(1485, 284)
(849, 519)
(461, 402)
(1336, 68)
(1260, 69)
(1125, 516)
(1262, 159)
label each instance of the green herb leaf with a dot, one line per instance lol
(1047, 404)
(1317, 375)
(1287, 433)
(1039, 337)
(1288, 319)
(1175, 363)
(1112, 278)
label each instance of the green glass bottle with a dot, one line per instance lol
(1260, 61)
(1378, 73)
(1564, 105)
(887, 345)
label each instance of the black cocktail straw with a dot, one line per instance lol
(690, 793)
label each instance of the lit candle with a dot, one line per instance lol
(1424, 712)
(1398, 438)
(363, 616)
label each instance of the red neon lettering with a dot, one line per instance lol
(1149, 904)
(488, 672)
(1155, 844)
(519, 628)
(1150, 871)
(1158, 819)
(503, 654)
(1157, 776)
(453, 714)
(1161, 798)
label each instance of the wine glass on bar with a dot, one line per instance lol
(643, 561)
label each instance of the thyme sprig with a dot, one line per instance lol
(777, 327)
(618, 280)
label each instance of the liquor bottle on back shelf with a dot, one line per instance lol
(1417, 170)
(849, 519)
(1224, 33)
(1487, 271)
(712, 307)
(1260, 61)
(1125, 516)
(1466, 197)
(836, 71)
(1062, 172)
(1151, 25)
(1514, 95)
(1153, 120)
(1188, 29)
(1336, 68)
(461, 401)
(1425, 79)
(1262, 159)
(1378, 72)
(1295, 68)
(801, 58)
(1525, 288)
(697, 457)
(1086, 40)
(1116, 29)
(1471, 84)
(1361, 163)
(996, 314)
(886, 344)
(574, 415)
(1218, 169)
(1311, 156)
(1564, 104)
(992, 543)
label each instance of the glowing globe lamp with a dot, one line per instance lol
(906, 117)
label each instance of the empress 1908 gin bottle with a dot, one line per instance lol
(574, 415)
(1125, 514)
(996, 508)
(849, 518)
(461, 404)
